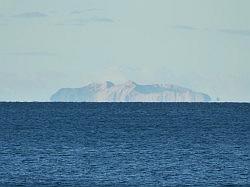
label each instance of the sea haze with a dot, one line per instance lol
(138, 144)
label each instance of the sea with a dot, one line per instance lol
(124, 144)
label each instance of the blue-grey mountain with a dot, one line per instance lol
(129, 92)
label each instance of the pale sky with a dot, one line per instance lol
(49, 44)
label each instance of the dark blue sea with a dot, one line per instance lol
(124, 144)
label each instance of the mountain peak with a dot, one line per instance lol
(102, 85)
(107, 84)
(129, 92)
(130, 83)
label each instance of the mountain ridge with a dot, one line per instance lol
(128, 92)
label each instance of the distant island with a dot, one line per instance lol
(128, 92)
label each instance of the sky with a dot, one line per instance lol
(49, 44)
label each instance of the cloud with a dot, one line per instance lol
(235, 31)
(184, 27)
(85, 11)
(106, 20)
(226, 31)
(85, 21)
(30, 15)
(74, 18)
(27, 54)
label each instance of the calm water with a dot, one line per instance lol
(130, 144)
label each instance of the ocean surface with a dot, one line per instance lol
(124, 144)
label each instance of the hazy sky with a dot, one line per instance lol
(200, 44)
